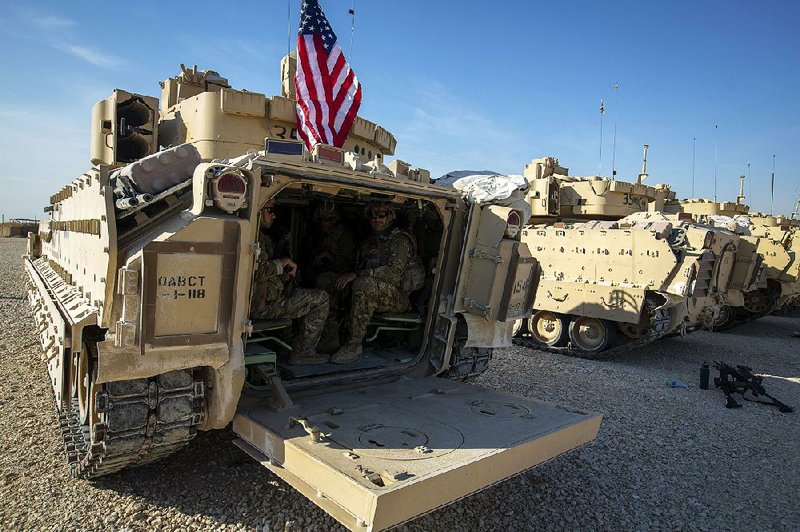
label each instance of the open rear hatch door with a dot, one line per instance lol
(378, 456)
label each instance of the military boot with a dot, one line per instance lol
(348, 353)
(329, 343)
(307, 358)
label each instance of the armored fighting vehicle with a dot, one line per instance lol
(141, 282)
(766, 272)
(626, 277)
(782, 259)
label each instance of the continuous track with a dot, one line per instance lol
(659, 327)
(136, 422)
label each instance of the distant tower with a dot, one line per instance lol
(740, 197)
(643, 175)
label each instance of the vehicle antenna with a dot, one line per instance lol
(715, 162)
(352, 12)
(772, 189)
(694, 146)
(602, 113)
(614, 143)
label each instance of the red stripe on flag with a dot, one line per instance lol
(340, 65)
(349, 118)
(305, 95)
(348, 82)
(325, 120)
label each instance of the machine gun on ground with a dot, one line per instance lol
(740, 379)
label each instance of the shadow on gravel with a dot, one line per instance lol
(213, 479)
(774, 326)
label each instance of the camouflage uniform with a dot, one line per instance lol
(274, 298)
(382, 260)
(339, 250)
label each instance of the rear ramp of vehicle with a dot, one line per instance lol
(378, 456)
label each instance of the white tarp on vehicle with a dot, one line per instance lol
(490, 187)
(739, 224)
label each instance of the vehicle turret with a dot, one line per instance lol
(556, 196)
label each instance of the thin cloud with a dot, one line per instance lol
(93, 56)
(51, 21)
(445, 134)
(58, 32)
(439, 112)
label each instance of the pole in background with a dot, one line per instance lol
(715, 162)
(288, 27)
(614, 143)
(352, 12)
(772, 190)
(694, 151)
(602, 113)
(749, 184)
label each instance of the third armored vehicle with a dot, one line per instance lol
(771, 280)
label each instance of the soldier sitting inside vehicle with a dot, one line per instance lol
(334, 254)
(382, 280)
(275, 296)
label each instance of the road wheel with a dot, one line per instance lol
(757, 302)
(548, 328)
(724, 318)
(84, 388)
(591, 335)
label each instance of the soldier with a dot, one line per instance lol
(377, 283)
(275, 297)
(333, 244)
(335, 250)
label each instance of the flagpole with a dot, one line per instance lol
(602, 112)
(694, 151)
(614, 144)
(772, 190)
(716, 142)
(288, 27)
(352, 12)
(749, 184)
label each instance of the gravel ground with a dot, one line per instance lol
(665, 458)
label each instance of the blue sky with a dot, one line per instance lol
(489, 85)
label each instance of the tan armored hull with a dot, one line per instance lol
(147, 281)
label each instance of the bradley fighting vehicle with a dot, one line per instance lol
(141, 283)
(783, 272)
(767, 260)
(615, 271)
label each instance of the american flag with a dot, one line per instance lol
(328, 92)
